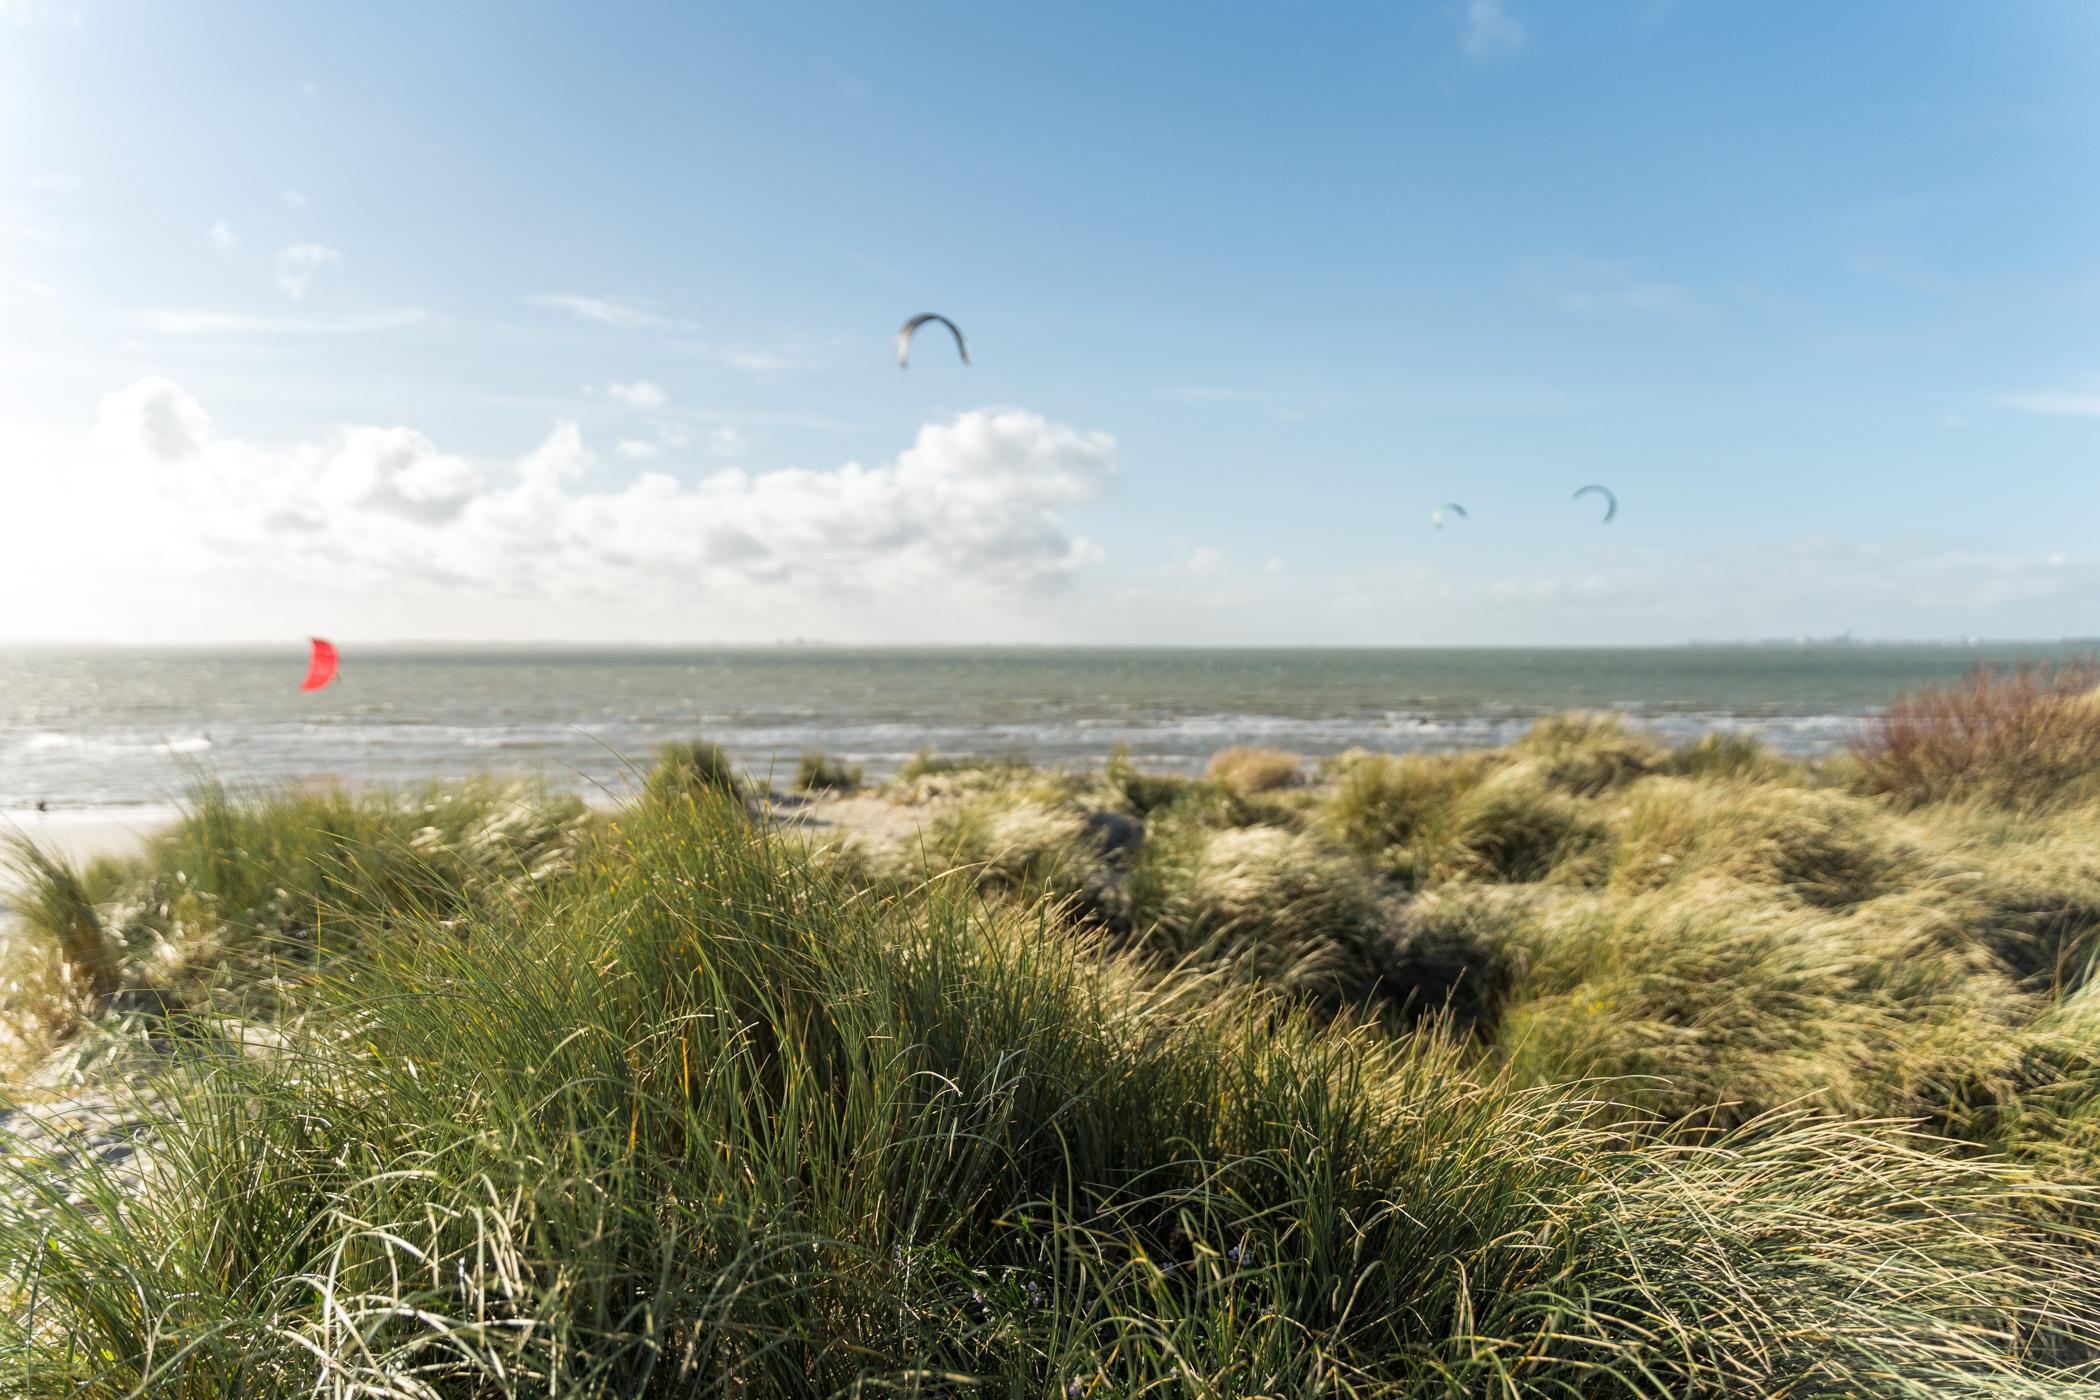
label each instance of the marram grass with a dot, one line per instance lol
(1443, 1081)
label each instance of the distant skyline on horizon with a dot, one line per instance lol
(442, 645)
(533, 325)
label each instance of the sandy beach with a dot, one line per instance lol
(83, 834)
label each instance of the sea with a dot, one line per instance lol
(111, 727)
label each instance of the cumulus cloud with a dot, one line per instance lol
(971, 504)
(397, 472)
(640, 394)
(299, 263)
(221, 236)
(726, 442)
(1491, 30)
(156, 419)
(1203, 562)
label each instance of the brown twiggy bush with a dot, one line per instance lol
(2018, 737)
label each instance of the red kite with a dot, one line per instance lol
(321, 670)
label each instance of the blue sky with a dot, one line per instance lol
(560, 322)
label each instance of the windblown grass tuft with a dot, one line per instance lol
(690, 766)
(52, 900)
(1246, 769)
(818, 772)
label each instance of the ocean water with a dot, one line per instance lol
(82, 727)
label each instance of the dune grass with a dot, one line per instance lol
(1584, 1067)
(1247, 769)
(693, 765)
(51, 898)
(702, 1117)
(818, 772)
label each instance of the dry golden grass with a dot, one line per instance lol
(1248, 769)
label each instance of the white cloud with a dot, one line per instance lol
(638, 449)
(726, 442)
(1587, 285)
(765, 361)
(609, 313)
(1491, 30)
(16, 227)
(299, 263)
(640, 394)
(396, 471)
(153, 417)
(26, 292)
(233, 323)
(222, 236)
(293, 199)
(975, 503)
(25, 13)
(1204, 562)
(2075, 403)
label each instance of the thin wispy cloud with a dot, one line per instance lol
(221, 236)
(1202, 562)
(638, 449)
(1207, 393)
(607, 312)
(293, 199)
(177, 322)
(1587, 286)
(299, 264)
(640, 394)
(26, 292)
(1491, 31)
(767, 361)
(20, 228)
(2072, 403)
(23, 14)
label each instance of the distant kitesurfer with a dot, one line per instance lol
(911, 328)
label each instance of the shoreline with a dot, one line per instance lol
(88, 833)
